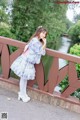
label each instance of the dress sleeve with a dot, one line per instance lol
(36, 47)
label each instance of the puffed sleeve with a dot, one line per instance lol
(36, 47)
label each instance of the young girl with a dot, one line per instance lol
(23, 66)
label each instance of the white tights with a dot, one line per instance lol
(23, 86)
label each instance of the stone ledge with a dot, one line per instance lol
(55, 99)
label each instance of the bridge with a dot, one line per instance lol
(44, 92)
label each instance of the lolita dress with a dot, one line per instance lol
(23, 66)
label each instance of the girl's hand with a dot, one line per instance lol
(26, 47)
(44, 40)
(44, 45)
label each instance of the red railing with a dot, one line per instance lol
(55, 75)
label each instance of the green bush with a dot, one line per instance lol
(64, 84)
(6, 32)
(74, 32)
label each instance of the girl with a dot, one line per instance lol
(23, 66)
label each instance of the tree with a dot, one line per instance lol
(3, 3)
(74, 32)
(3, 16)
(77, 17)
(5, 30)
(25, 18)
(27, 15)
(5, 27)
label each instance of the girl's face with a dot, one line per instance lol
(42, 35)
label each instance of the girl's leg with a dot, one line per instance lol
(23, 86)
(22, 93)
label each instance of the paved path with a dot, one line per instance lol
(33, 110)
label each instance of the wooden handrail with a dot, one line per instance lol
(55, 75)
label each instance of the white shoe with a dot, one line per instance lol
(24, 98)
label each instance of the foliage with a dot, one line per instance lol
(69, 24)
(27, 15)
(64, 84)
(74, 32)
(3, 16)
(5, 30)
(77, 17)
(3, 3)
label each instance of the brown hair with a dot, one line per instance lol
(38, 31)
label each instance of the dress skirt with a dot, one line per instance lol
(22, 68)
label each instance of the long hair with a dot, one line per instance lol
(37, 32)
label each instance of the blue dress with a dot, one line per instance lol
(23, 66)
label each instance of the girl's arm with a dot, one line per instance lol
(37, 47)
(44, 44)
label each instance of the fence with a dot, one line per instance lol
(55, 75)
